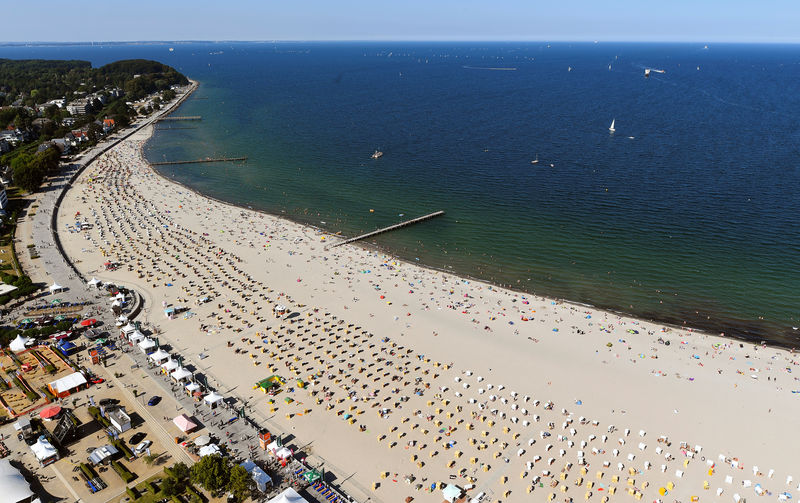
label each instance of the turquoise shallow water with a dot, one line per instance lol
(694, 219)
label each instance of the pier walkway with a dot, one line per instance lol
(196, 161)
(181, 118)
(389, 228)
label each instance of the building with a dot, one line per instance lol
(78, 107)
(23, 425)
(108, 125)
(103, 455)
(12, 136)
(119, 419)
(4, 146)
(3, 199)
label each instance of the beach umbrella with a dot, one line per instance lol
(202, 440)
(50, 412)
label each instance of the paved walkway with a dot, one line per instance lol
(66, 484)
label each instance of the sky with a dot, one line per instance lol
(775, 21)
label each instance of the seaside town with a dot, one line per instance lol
(160, 346)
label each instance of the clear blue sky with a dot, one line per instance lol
(551, 20)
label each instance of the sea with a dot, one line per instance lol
(688, 213)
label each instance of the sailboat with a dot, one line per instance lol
(535, 161)
(611, 128)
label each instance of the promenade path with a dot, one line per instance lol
(40, 231)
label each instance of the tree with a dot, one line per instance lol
(211, 472)
(27, 172)
(171, 487)
(240, 483)
(180, 471)
(94, 132)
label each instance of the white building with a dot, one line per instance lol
(3, 199)
(119, 419)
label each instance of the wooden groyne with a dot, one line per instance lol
(182, 118)
(389, 228)
(197, 161)
(175, 128)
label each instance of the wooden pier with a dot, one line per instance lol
(182, 118)
(389, 228)
(197, 161)
(174, 128)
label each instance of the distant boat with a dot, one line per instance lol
(535, 161)
(377, 154)
(611, 128)
(646, 73)
(171, 49)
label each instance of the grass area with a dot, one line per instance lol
(149, 491)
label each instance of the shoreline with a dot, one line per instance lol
(670, 321)
(592, 362)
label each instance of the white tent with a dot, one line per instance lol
(15, 487)
(136, 336)
(170, 365)
(260, 477)
(44, 451)
(120, 297)
(18, 344)
(288, 496)
(93, 282)
(213, 398)
(55, 287)
(116, 303)
(181, 374)
(451, 492)
(208, 450)
(283, 453)
(128, 329)
(68, 382)
(147, 344)
(192, 387)
(159, 356)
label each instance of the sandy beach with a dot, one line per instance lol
(415, 372)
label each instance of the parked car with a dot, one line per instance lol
(137, 437)
(153, 400)
(105, 402)
(139, 449)
(97, 380)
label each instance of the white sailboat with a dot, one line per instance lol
(535, 161)
(611, 128)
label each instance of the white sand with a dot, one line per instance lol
(700, 389)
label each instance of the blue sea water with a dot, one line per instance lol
(688, 213)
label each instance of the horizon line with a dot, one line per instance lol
(399, 40)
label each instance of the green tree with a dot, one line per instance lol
(240, 483)
(94, 132)
(171, 487)
(180, 471)
(211, 472)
